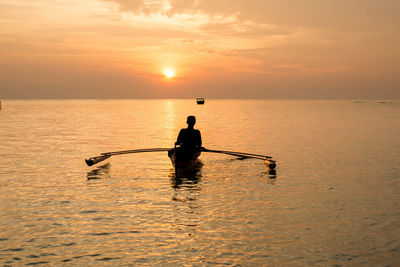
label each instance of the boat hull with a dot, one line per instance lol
(182, 158)
(200, 101)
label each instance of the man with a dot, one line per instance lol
(189, 138)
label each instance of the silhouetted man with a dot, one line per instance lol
(189, 138)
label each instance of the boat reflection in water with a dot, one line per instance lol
(271, 174)
(186, 184)
(186, 177)
(100, 172)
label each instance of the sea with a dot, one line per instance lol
(333, 199)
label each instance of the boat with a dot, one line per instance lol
(200, 100)
(184, 158)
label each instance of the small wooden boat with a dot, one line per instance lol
(200, 100)
(183, 158)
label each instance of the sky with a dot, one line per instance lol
(322, 49)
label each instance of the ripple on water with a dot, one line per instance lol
(14, 249)
(89, 211)
(37, 263)
(100, 234)
(68, 244)
(82, 256)
(33, 256)
(108, 258)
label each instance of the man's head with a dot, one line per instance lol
(191, 121)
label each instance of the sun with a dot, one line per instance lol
(169, 73)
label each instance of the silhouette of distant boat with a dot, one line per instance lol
(200, 100)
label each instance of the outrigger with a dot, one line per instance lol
(183, 158)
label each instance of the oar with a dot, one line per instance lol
(268, 160)
(104, 156)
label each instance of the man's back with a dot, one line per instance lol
(189, 138)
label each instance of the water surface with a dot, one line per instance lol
(333, 199)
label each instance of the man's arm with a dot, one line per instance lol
(199, 142)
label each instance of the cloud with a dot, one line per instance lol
(306, 32)
(246, 29)
(350, 14)
(227, 43)
(146, 7)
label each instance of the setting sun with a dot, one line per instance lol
(169, 73)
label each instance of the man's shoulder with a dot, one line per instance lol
(183, 131)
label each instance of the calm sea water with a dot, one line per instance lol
(334, 199)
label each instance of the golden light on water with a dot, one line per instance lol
(169, 73)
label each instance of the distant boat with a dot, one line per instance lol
(200, 100)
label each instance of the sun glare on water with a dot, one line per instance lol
(169, 73)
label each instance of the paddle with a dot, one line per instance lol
(268, 160)
(104, 156)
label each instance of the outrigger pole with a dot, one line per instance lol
(268, 160)
(103, 156)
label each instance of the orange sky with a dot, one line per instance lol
(217, 48)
